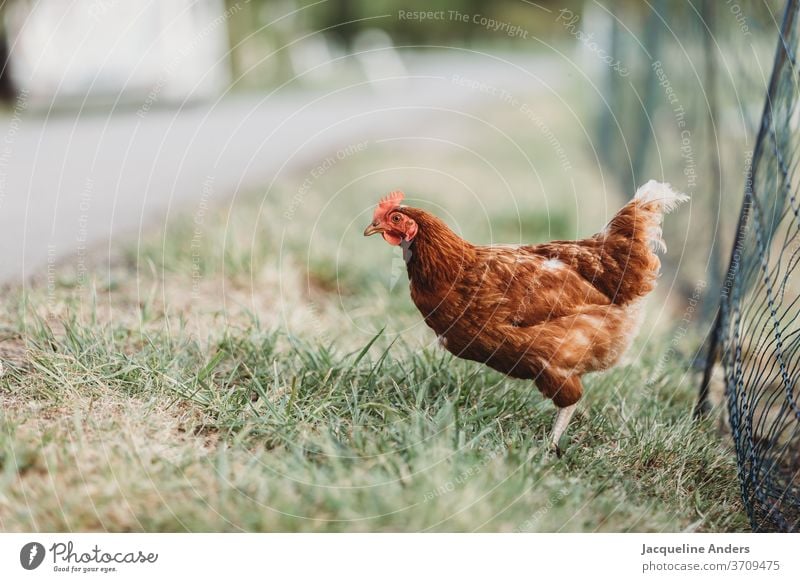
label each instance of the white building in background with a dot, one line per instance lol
(151, 52)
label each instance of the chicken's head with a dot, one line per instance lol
(389, 220)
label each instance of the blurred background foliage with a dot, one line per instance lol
(675, 87)
(687, 105)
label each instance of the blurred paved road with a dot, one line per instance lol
(70, 181)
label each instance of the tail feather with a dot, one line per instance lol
(641, 218)
(621, 260)
(666, 199)
(631, 240)
(661, 193)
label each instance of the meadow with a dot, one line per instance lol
(257, 365)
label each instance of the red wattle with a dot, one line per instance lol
(392, 239)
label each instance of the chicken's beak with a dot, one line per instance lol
(373, 228)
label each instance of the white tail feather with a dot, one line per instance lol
(668, 200)
(660, 192)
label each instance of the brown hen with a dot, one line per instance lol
(549, 312)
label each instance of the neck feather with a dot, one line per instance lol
(436, 254)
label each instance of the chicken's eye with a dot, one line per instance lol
(396, 218)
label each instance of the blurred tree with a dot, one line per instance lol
(339, 17)
(715, 265)
(652, 40)
(8, 90)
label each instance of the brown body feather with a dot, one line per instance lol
(548, 312)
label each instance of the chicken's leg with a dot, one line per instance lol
(565, 393)
(563, 417)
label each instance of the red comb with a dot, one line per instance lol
(387, 204)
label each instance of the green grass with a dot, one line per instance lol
(131, 431)
(262, 373)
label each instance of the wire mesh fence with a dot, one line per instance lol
(757, 333)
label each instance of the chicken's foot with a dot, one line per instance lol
(563, 417)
